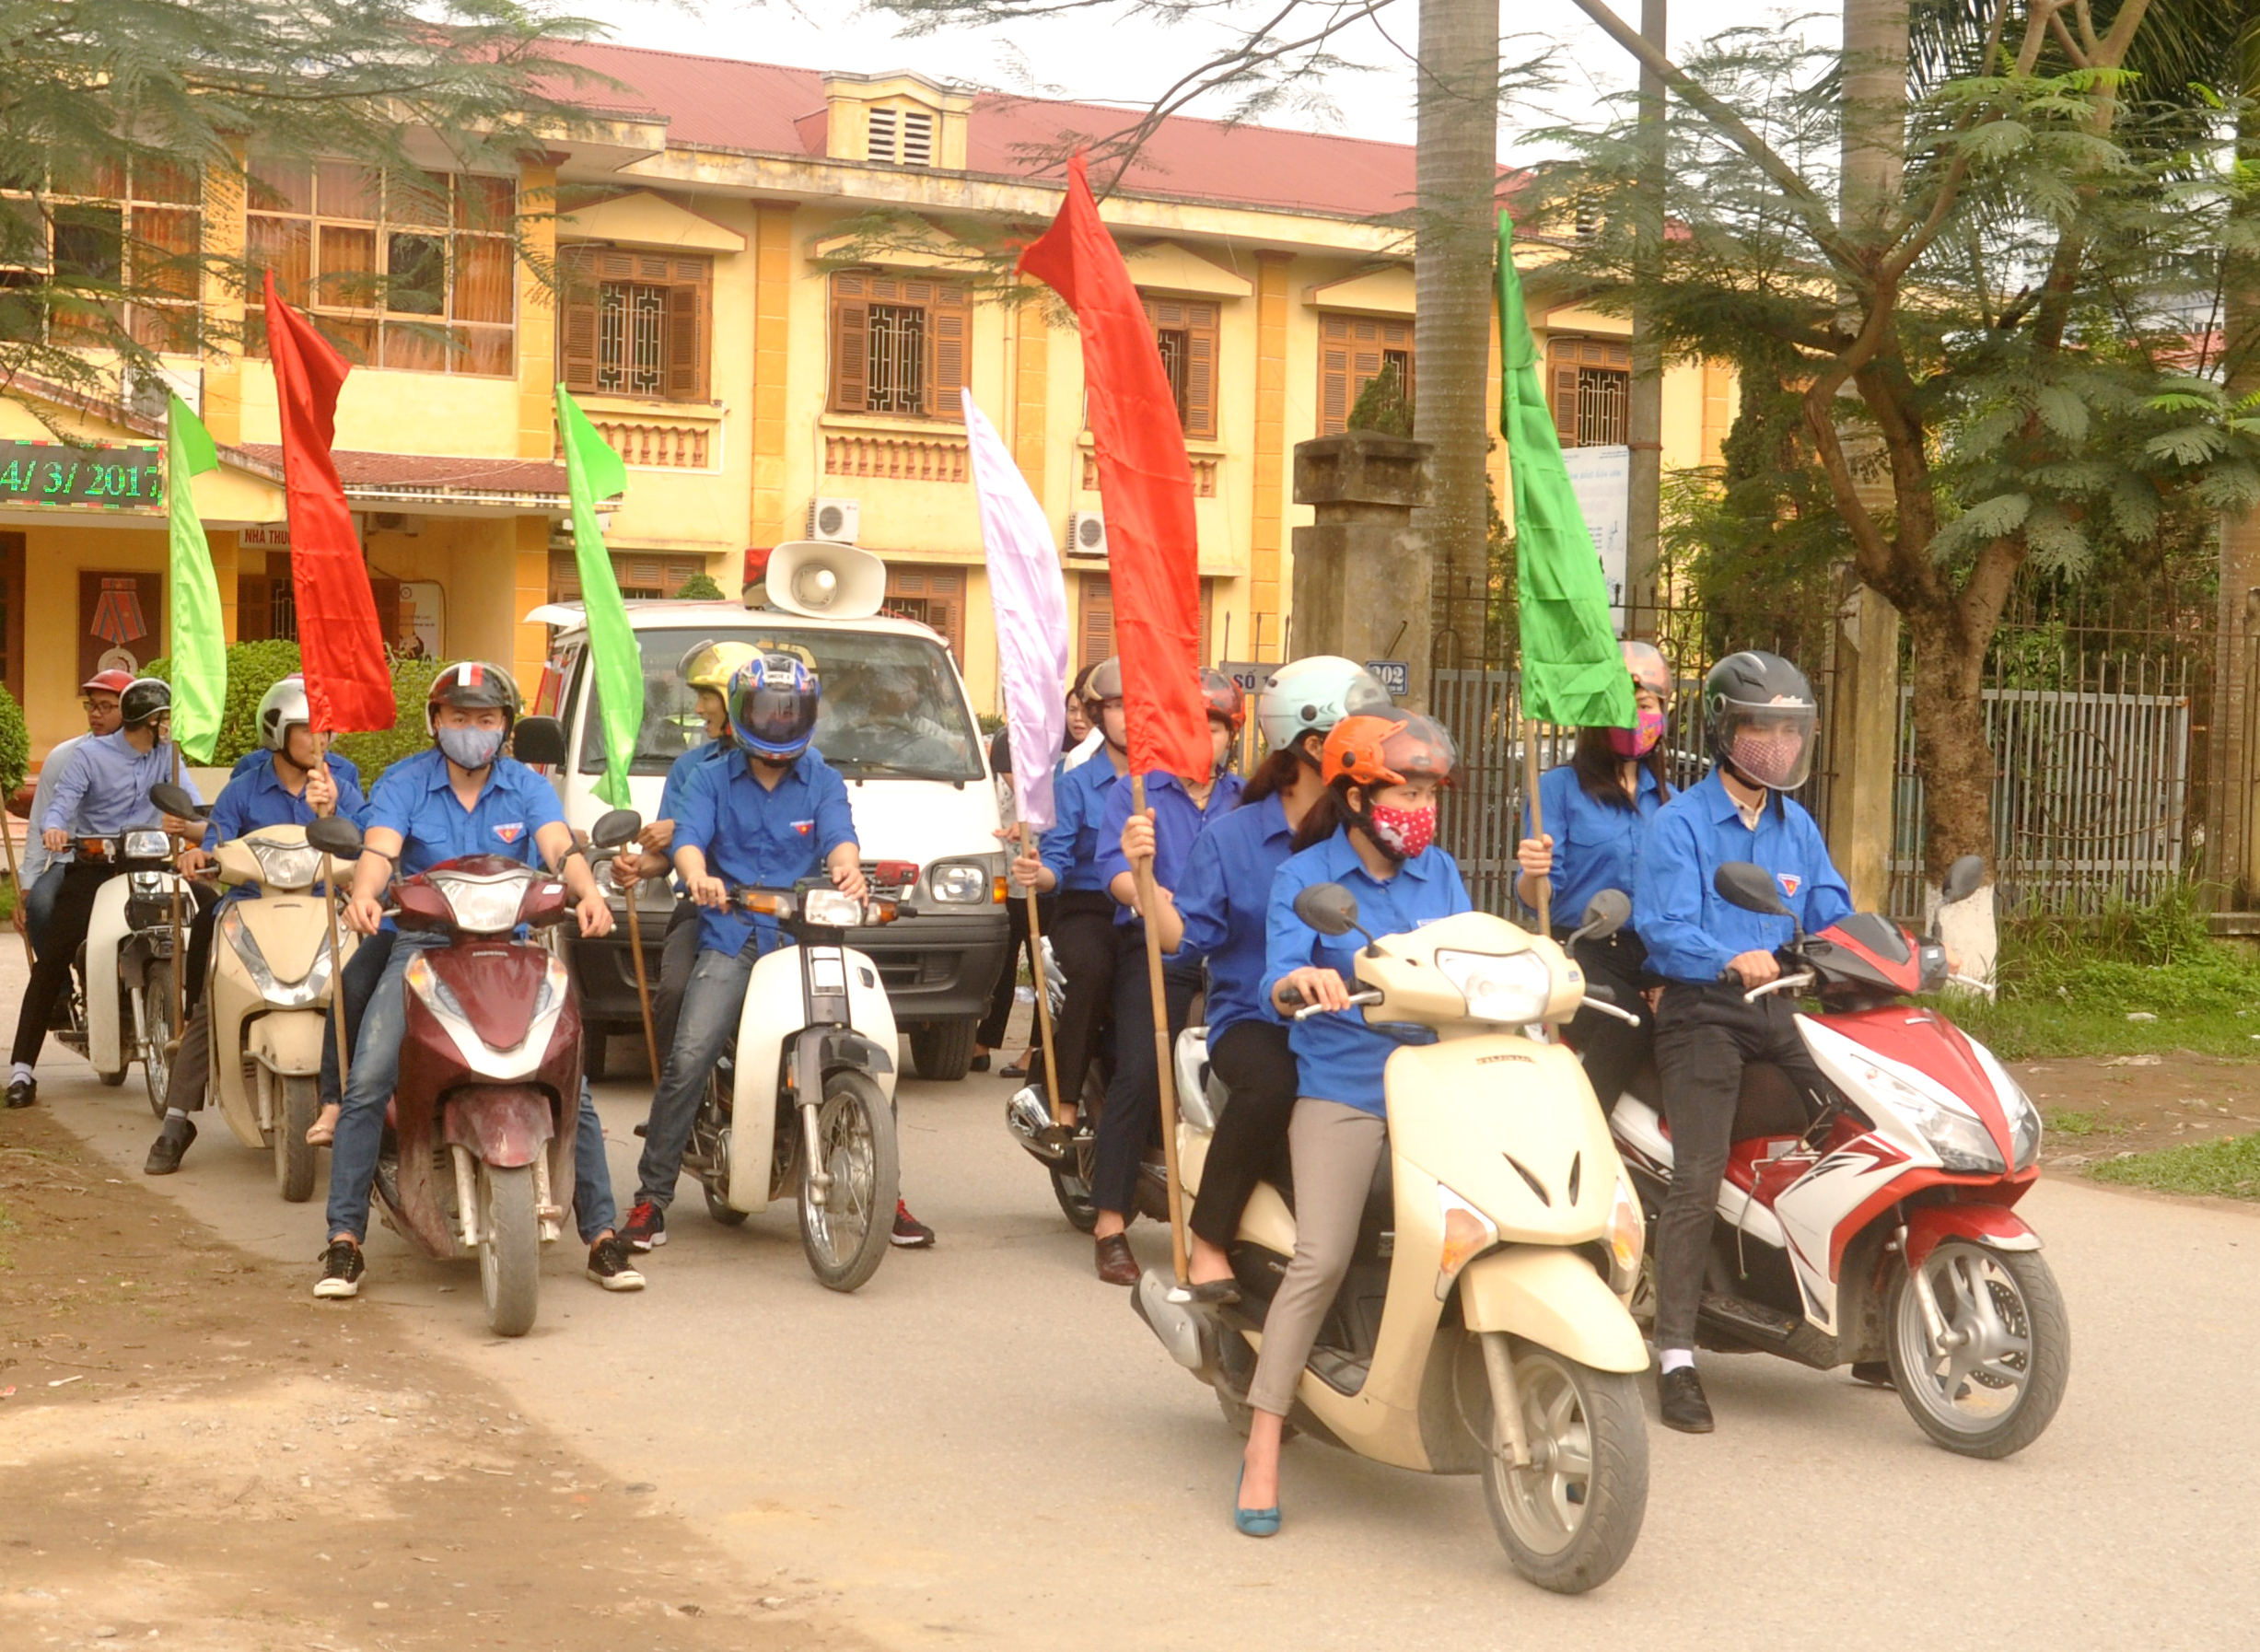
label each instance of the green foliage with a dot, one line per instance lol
(698, 588)
(252, 669)
(2223, 1170)
(15, 745)
(1382, 406)
(374, 753)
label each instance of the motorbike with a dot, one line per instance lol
(1482, 1328)
(1069, 1156)
(1876, 1223)
(122, 1006)
(803, 1098)
(269, 985)
(480, 1132)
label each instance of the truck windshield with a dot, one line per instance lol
(891, 705)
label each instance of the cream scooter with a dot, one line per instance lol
(1482, 1328)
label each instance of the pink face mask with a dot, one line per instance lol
(1639, 739)
(1771, 757)
(1405, 831)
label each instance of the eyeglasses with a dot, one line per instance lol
(94, 705)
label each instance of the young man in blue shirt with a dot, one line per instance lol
(103, 792)
(771, 814)
(39, 873)
(292, 780)
(461, 797)
(1758, 715)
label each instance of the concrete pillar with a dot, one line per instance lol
(537, 313)
(1031, 395)
(1267, 510)
(1361, 571)
(1864, 726)
(772, 282)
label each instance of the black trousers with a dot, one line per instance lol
(66, 932)
(357, 983)
(1132, 1121)
(1084, 944)
(678, 957)
(990, 1032)
(1250, 1145)
(1613, 1052)
(1705, 1036)
(205, 913)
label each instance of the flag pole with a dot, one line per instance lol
(643, 982)
(1538, 820)
(337, 979)
(1043, 1000)
(179, 948)
(1164, 1067)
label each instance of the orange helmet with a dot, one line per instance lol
(1387, 751)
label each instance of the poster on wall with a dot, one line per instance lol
(120, 622)
(423, 610)
(1602, 479)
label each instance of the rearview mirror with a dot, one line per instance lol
(1608, 912)
(1328, 908)
(615, 827)
(1751, 887)
(177, 801)
(538, 740)
(1962, 880)
(335, 834)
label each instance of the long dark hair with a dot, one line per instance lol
(1276, 773)
(1327, 816)
(1600, 770)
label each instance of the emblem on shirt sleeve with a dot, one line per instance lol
(804, 826)
(1791, 882)
(509, 832)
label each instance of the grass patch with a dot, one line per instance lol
(2082, 1122)
(2227, 1170)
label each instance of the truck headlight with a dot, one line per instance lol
(960, 883)
(1468, 1233)
(1511, 987)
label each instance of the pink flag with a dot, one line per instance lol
(1030, 601)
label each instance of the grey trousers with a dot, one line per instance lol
(1334, 1149)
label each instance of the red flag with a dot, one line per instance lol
(1145, 482)
(341, 650)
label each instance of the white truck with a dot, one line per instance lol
(896, 722)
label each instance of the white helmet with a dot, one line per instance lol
(1309, 697)
(285, 703)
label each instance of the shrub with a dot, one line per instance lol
(252, 669)
(411, 681)
(15, 745)
(699, 589)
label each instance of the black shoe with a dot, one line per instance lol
(1116, 1265)
(980, 1064)
(910, 1233)
(171, 1142)
(340, 1270)
(610, 1267)
(1680, 1395)
(1875, 1373)
(646, 1226)
(23, 1092)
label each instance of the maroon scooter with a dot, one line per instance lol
(479, 1135)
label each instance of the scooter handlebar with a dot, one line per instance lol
(1607, 1008)
(1368, 997)
(1801, 978)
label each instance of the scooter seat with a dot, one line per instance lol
(1770, 1104)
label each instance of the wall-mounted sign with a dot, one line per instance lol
(120, 622)
(423, 607)
(275, 536)
(109, 478)
(1394, 675)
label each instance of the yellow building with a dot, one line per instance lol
(761, 387)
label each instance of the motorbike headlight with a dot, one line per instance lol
(1627, 1238)
(2023, 1116)
(147, 845)
(424, 980)
(1511, 987)
(287, 866)
(959, 883)
(551, 991)
(1468, 1233)
(1955, 1133)
(831, 909)
(482, 905)
(281, 994)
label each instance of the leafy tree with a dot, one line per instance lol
(15, 745)
(699, 589)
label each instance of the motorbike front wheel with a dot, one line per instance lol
(159, 1031)
(509, 1249)
(1570, 1518)
(846, 1236)
(298, 1100)
(1994, 1391)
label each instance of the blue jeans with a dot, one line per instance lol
(376, 1068)
(709, 1020)
(357, 980)
(40, 903)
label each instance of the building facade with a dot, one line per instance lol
(766, 285)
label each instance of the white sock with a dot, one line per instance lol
(174, 1112)
(22, 1069)
(1677, 1359)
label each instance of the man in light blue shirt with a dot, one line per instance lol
(40, 874)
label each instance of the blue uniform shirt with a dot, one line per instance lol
(753, 835)
(254, 796)
(413, 798)
(681, 772)
(1223, 896)
(1178, 822)
(105, 789)
(1071, 847)
(1339, 1057)
(1691, 933)
(1595, 843)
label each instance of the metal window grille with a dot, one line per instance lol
(898, 358)
(283, 610)
(1176, 358)
(631, 332)
(1602, 396)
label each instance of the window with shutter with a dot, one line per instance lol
(850, 344)
(933, 596)
(952, 325)
(1186, 335)
(1590, 382)
(902, 344)
(1094, 600)
(1353, 350)
(1334, 375)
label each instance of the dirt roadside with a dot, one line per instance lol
(2098, 1108)
(194, 1451)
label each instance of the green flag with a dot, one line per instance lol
(199, 639)
(594, 472)
(1573, 672)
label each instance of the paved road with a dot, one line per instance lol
(984, 1448)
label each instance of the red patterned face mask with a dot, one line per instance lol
(1404, 833)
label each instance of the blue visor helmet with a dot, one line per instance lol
(772, 702)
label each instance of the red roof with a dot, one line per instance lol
(715, 102)
(429, 471)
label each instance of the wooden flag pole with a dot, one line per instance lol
(337, 979)
(1538, 820)
(643, 984)
(180, 941)
(1164, 1066)
(1043, 1001)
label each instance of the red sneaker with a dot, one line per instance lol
(909, 1232)
(646, 1226)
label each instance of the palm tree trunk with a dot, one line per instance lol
(2231, 769)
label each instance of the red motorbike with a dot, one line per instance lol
(479, 1135)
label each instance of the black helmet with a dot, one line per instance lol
(473, 684)
(1758, 716)
(145, 700)
(772, 702)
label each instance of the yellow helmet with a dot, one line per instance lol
(712, 665)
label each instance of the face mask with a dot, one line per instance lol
(470, 749)
(1641, 739)
(1404, 833)
(1769, 756)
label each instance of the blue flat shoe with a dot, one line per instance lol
(1253, 1522)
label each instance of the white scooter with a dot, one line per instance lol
(807, 1091)
(123, 1002)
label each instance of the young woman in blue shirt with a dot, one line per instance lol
(1219, 912)
(1372, 830)
(1597, 808)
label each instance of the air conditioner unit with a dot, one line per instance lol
(1087, 534)
(834, 520)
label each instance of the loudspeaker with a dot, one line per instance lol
(824, 580)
